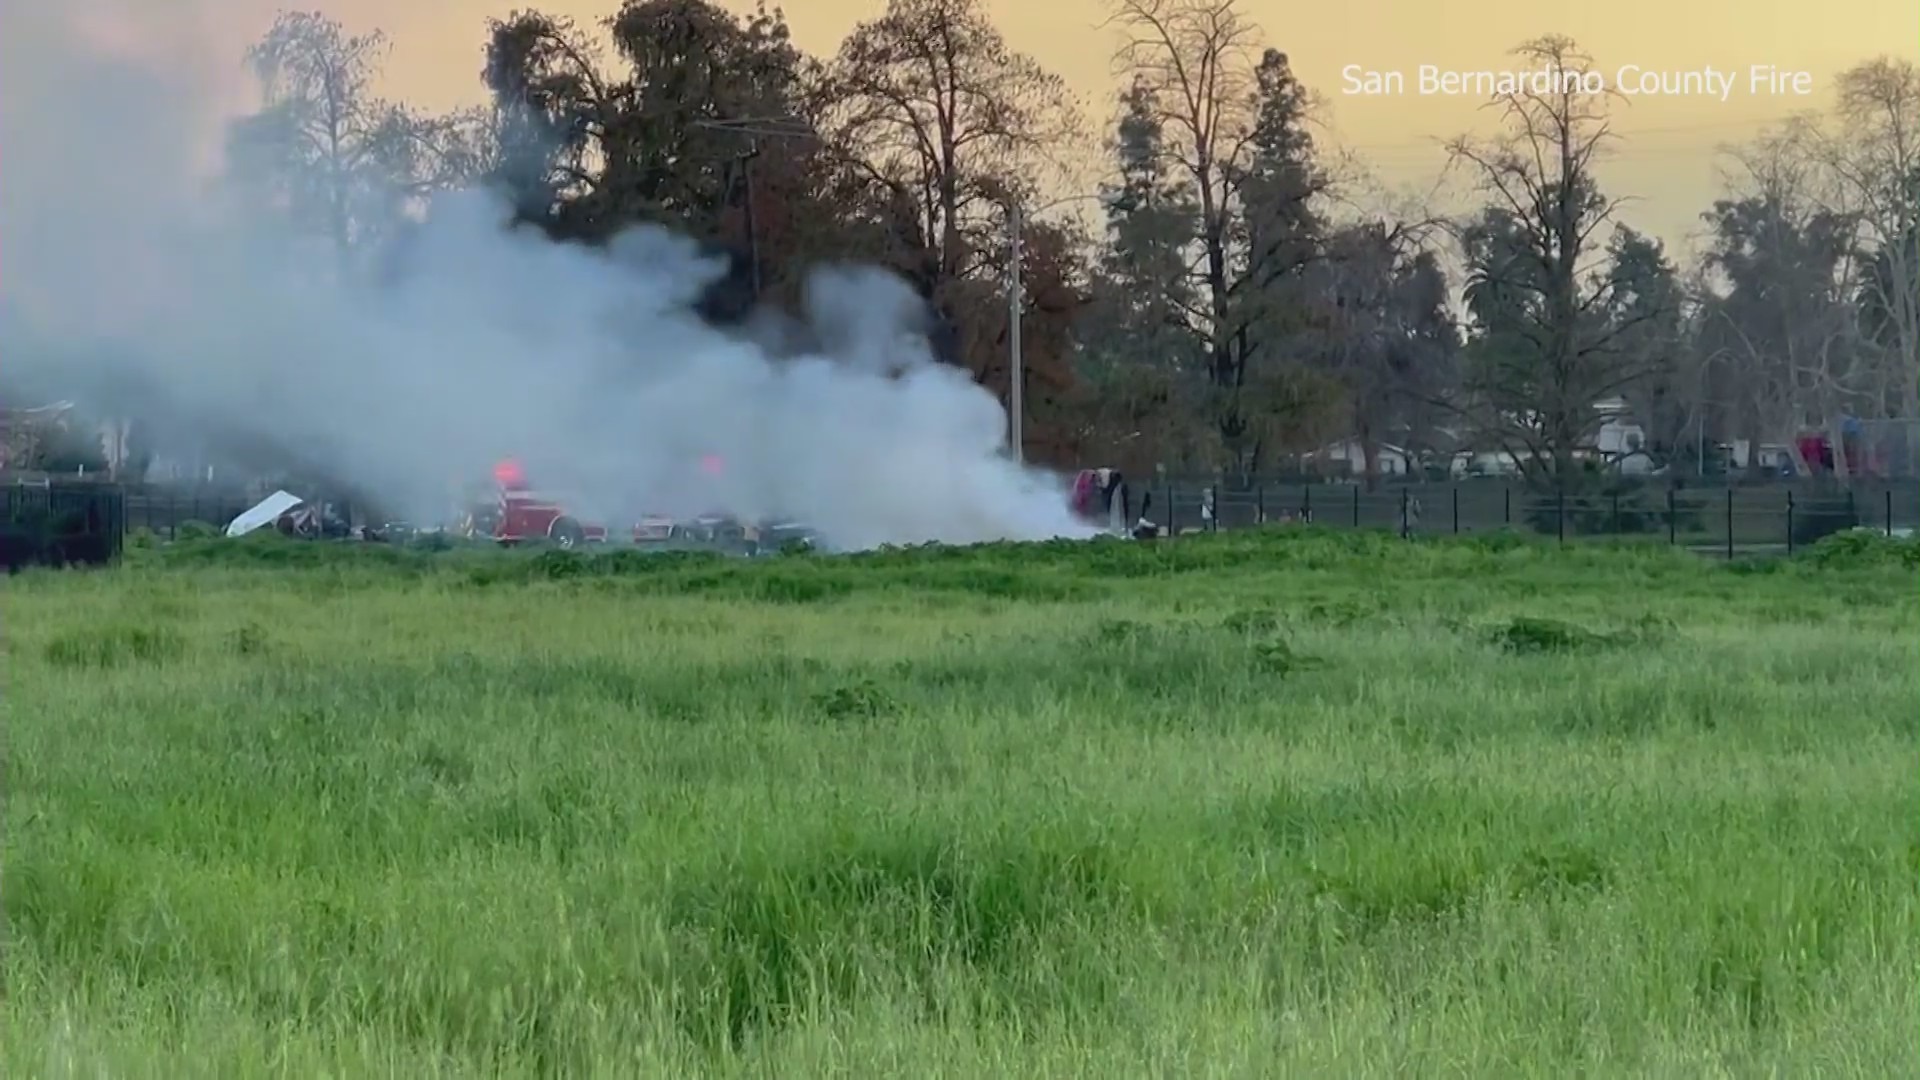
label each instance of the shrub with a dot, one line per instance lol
(1864, 548)
(1614, 508)
(1816, 519)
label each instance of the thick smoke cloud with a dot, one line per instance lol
(126, 283)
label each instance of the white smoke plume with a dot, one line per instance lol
(125, 283)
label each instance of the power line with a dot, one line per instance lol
(777, 127)
(754, 128)
(1624, 143)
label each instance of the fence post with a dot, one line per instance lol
(1406, 521)
(1173, 515)
(1560, 512)
(1260, 504)
(1616, 514)
(1306, 503)
(1673, 518)
(1889, 511)
(1729, 524)
(1456, 509)
(1506, 507)
(1789, 521)
(1356, 506)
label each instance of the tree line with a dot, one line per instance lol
(1239, 302)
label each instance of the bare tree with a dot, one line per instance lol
(1547, 349)
(935, 110)
(1869, 160)
(326, 149)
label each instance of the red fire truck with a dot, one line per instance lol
(516, 514)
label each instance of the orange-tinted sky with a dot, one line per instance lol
(1667, 159)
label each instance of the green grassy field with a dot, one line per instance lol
(1249, 805)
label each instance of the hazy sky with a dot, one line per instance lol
(1667, 159)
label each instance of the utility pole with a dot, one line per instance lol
(753, 234)
(1015, 396)
(756, 129)
(1017, 389)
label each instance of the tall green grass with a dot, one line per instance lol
(1249, 805)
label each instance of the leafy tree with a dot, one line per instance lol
(1647, 307)
(1233, 124)
(1143, 367)
(591, 150)
(1384, 333)
(706, 121)
(1229, 312)
(551, 108)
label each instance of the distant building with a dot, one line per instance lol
(1468, 463)
(25, 434)
(1350, 457)
(1620, 441)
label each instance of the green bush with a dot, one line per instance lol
(1863, 548)
(1604, 507)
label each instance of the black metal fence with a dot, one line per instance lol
(52, 524)
(166, 509)
(86, 522)
(1757, 519)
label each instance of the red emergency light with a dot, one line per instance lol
(509, 475)
(713, 465)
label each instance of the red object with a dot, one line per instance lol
(1083, 488)
(517, 514)
(1810, 449)
(1818, 451)
(510, 476)
(521, 515)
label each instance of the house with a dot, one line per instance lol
(1349, 457)
(1619, 435)
(1773, 457)
(1484, 463)
(116, 436)
(26, 433)
(1619, 442)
